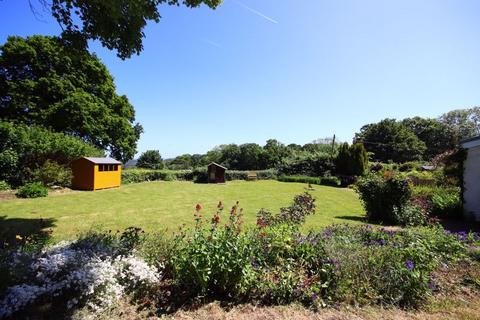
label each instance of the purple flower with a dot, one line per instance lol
(409, 264)
(314, 297)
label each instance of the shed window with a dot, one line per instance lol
(108, 167)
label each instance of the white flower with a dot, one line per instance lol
(94, 276)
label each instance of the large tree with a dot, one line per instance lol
(391, 140)
(117, 24)
(45, 83)
(437, 136)
(464, 123)
(150, 159)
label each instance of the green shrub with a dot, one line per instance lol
(351, 160)
(380, 195)
(32, 190)
(314, 165)
(4, 185)
(410, 215)
(446, 203)
(27, 148)
(214, 260)
(143, 175)
(53, 174)
(441, 201)
(328, 181)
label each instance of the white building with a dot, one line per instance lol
(471, 178)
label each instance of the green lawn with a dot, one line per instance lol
(161, 205)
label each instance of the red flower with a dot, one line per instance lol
(216, 219)
(198, 207)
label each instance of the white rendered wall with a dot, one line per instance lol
(471, 196)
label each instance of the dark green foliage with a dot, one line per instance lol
(142, 175)
(24, 149)
(381, 195)
(437, 136)
(52, 174)
(121, 29)
(327, 181)
(391, 140)
(274, 153)
(187, 161)
(32, 190)
(65, 90)
(351, 160)
(150, 159)
(315, 165)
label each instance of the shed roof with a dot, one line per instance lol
(470, 143)
(218, 165)
(102, 160)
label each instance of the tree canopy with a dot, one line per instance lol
(391, 140)
(45, 83)
(437, 136)
(150, 159)
(464, 123)
(117, 24)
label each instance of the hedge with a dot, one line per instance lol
(327, 181)
(141, 175)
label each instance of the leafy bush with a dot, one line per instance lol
(410, 215)
(4, 185)
(213, 261)
(328, 181)
(53, 174)
(23, 149)
(198, 175)
(380, 195)
(446, 203)
(441, 201)
(32, 190)
(142, 175)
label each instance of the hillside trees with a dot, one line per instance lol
(45, 83)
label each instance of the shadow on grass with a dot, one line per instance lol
(17, 231)
(352, 218)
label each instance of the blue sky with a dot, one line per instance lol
(288, 69)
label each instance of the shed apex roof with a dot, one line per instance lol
(103, 160)
(218, 165)
(470, 143)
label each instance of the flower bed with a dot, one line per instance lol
(272, 263)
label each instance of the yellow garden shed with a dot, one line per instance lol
(96, 173)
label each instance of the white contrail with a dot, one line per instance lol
(258, 13)
(212, 43)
